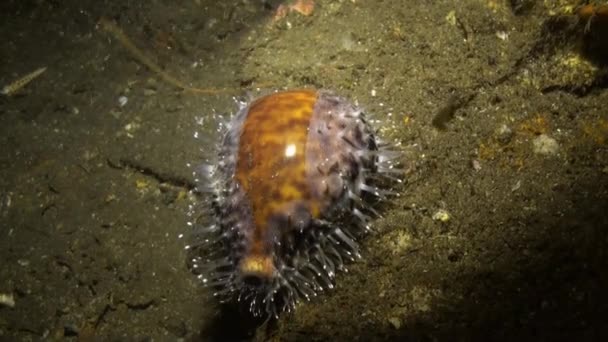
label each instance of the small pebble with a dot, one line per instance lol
(504, 134)
(7, 300)
(544, 144)
(122, 101)
(395, 322)
(476, 165)
(441, 215)
(502, 35)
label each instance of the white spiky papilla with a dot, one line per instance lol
(306, 263)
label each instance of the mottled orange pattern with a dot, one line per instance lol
(271, 165)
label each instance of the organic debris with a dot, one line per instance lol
(110, 27)
(17, 85)
(303, 7)
(447, 112)
(592, 13)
